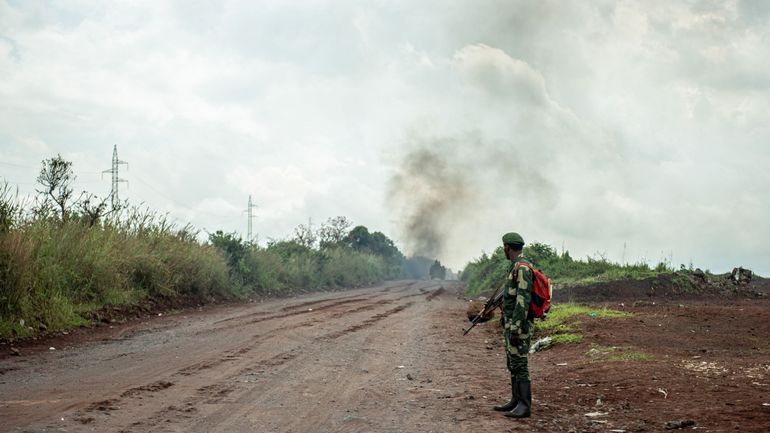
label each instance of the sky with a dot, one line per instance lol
(635, 131)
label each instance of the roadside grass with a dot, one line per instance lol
(600, 353)
(566, 338)
(54, 275)
(563, 318)
(563, 321)
(62, 260)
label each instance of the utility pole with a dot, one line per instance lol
(115, 177)
(251, 216)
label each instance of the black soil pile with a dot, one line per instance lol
(665, 287)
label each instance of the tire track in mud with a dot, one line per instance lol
(269, 315)
(153, 387)
(291, 310)
(304, 305)
(435, 293)
(366, 323)
(234, 355)
(239, 386)
(227, 386)
(105, 407)
(247, 397)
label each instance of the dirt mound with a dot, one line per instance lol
(475, 307)
(673, 286)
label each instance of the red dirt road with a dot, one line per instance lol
(392, 358)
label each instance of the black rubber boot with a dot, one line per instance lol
(511, 404)
(524, 392)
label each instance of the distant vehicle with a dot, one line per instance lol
(437, 271)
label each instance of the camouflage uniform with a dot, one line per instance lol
(517, 327)
(515, 321)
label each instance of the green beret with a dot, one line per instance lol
(513, 238)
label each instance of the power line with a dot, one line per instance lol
(17, 183)
(177, 203)
(15, 165)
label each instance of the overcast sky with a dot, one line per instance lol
(588, 125)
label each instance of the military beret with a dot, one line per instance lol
(513, 238)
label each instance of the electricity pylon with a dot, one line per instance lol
(115, 177)
(251, 216)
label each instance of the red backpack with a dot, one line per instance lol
(541, 292)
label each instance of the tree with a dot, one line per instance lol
(289, 249)
(540, 253)
(383, 246)
(377, 243)
(358, 238)
(92, 208)
(231, 244)
(56, 179)
(333, 232)
(303, 235)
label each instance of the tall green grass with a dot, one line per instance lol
(54, 273)
(51, 273)
(488, 271)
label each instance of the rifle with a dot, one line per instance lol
(495, 301)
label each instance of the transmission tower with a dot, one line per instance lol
(115, 177)
(251, 216)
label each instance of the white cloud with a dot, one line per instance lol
(608, 122)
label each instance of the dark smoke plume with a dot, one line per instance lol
(429, 191)
(445, 186)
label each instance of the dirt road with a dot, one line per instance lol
(390, 359)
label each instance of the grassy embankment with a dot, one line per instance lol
(54, 276)
(54, 273)
(488, 271)
(57, 273)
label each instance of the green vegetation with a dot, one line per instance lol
(52, 272)
(65, 257)
(564, 316)
(563, 322)
(567, 338)
(488, 271)
(292, 265)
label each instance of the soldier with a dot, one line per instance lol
(517, 327)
